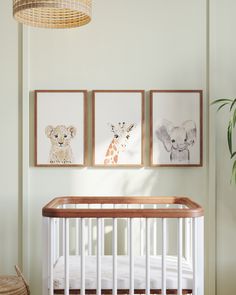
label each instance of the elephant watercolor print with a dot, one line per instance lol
(176, 128)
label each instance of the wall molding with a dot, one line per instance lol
(25, 246)
(211, 230)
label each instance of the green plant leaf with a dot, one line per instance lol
(234, 118)
(221, 106)
(229, 137)
(222, 100)
(233, 176)
(233, 155)
(234, 167)
(232, 104)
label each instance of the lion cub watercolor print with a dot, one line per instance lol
(60, 132)
(60, 137)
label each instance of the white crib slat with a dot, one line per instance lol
(131, 258)
(164, 256)
(63, 233)
(180, 237)
(191, 239)
(77, 233)
(82, 265)
(63, 236)
(55, 241)
(114, 256)
(66, 257)
(89, 234)
(187, 240)
(98, 256)
(61, 229)
(128, 233)
(102, 237)
(195, 279)
(58, 238)
(147, 256)
(155, 234)
(77, 236)
(51, 262)
(141, 233)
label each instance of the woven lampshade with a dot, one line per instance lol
(56, 14)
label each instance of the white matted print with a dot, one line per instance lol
(176, 128)
(118, 119)
(60, 127)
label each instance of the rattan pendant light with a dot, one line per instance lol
(56, 14)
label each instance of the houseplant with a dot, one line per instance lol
(231, 105)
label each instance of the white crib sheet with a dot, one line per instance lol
(122, 272)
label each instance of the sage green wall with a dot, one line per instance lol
(9, 140)
(185, 44)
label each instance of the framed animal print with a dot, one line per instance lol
(60, 132)
(118, 128)
(176, 128)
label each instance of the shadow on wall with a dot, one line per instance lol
(133, 188)
(151, 182)
(139, 226)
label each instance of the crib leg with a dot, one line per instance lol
(45, 260)
(198, 256)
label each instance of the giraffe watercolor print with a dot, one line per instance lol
(121, 135)
(118, 128)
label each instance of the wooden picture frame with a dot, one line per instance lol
(60, 128)
(118, 113)
(177, 114)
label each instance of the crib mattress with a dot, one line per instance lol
(122, 272)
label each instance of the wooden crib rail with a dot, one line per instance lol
(191, 209)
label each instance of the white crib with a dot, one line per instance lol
(121, 245)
